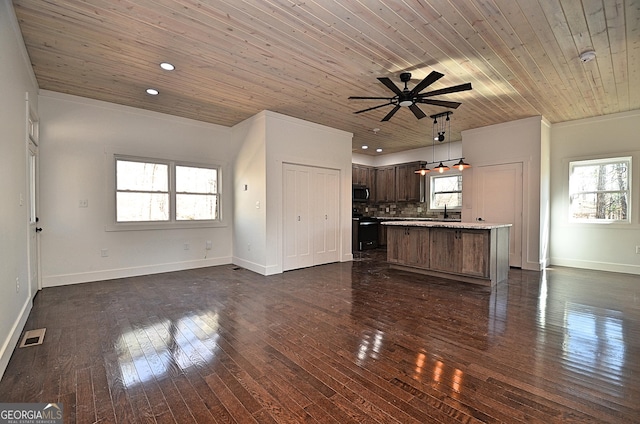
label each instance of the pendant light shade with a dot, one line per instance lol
(441, 168)
(462, 165)
(423, 170)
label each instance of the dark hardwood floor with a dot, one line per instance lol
(339, 343)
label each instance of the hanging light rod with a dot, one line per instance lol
(441, 129)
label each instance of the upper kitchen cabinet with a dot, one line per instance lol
(385, 188)
(363, 175)
(409, 185)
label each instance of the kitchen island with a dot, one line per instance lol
(473, 252)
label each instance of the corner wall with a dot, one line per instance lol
(16, 80)
(78, 137)
(511, 142)
(606, 247)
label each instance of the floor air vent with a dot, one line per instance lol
(33, 337)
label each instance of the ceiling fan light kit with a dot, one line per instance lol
(411, 98)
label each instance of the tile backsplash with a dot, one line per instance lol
(400, 210)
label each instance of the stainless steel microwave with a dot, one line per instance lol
(361, 193)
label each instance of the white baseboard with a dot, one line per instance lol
(110, 274)
(596, 266)
(257, 268)
(14, 335)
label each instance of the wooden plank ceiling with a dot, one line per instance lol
(304, 58)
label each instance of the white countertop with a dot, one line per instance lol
(409, 218)
(446, 224)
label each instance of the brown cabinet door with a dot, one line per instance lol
(386, 184)
(395, 238)
(475, 252)
(408, 246)
(445, 251)
(417, 247)
(408, 187)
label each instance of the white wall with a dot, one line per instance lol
(300, 142)
(259, 164)
(432, 153)
(250, 212)
(78, 135)
(511, 142)
(16, 79)
(608, 247)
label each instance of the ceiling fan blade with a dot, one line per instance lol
(453, 89)
(390, 114)
(443, 103)
(417, 111)
(369, 98)
(390, 85)
(371, 108)
(427, 81)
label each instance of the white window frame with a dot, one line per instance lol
(600, 161)
(432, 177)
(172, 223)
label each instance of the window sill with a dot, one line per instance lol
(145, 226)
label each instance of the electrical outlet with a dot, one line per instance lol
(104, 252)
(17, 284)
(248, 247)
(186, 246)
(638, 250)
(209, 245)
(83, 203)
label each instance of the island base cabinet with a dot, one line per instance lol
(408, 246)
(478, 256)
(460, 251)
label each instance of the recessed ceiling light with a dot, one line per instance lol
(365, 147)
(378, 150)
(152, 91)
(167, 66)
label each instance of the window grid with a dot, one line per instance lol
(446, 190)
(599, 190)
(146, 191)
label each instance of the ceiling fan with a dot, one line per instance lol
(409, 98)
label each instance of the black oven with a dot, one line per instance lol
(367, 233)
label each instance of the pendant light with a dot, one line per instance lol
(440, 132)
(461, 165)
(423, 170)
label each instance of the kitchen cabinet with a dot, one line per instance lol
(385, 187)
(461, 251)
(409, 185)
(471, 252)
(408, 246)
(363, 175)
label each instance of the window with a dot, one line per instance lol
(155, 191)
(446, 190)
(599, 190)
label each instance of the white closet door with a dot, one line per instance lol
(311, 216)
(326, 231)
(297, 217)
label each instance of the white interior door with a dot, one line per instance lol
(298, 252)
(311, 216)
(326, 207)
(32, 202)
(498, 199)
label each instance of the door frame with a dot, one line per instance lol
(519, 204)
(33, 194)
